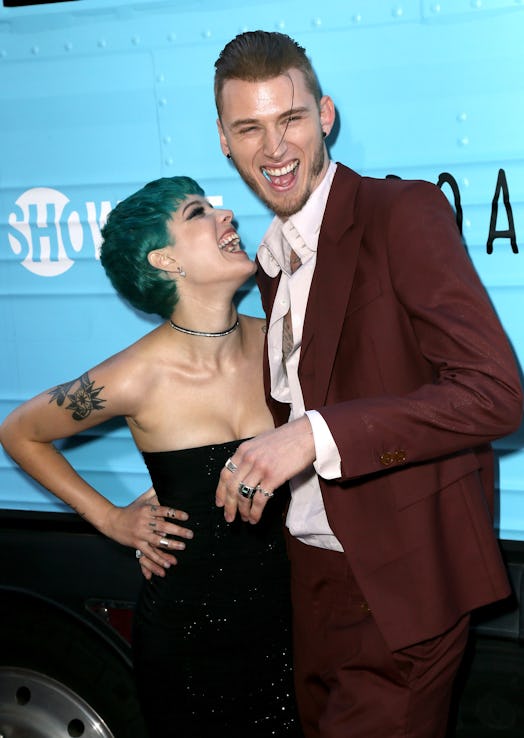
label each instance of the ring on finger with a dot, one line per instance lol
(163, 542)
(264, 492)
(138, 553)
(231, 466)
(246, 491)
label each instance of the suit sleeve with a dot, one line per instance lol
(468, 390)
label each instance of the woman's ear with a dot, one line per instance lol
(160, 259)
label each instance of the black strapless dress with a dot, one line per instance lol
(212, 644)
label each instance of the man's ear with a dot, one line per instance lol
(327, 114)
(223, 143)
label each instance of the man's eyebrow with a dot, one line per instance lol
(241, 122)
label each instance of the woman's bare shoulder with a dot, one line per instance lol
(135, 364)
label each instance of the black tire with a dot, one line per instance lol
(59, 678)
(490, 701)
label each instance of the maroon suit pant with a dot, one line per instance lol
(348, 682)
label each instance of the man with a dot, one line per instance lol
(387, 374)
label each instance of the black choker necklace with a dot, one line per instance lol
(219, 334)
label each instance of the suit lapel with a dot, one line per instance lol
(268, 287)
(337, 255)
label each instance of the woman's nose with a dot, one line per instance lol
(225, 215)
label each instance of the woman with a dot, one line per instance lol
(211, 634)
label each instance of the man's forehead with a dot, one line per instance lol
(283, 92)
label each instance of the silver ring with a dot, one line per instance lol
(231, 466)
(264, 492)
(163, 542)
(246, 491)
(138, 553)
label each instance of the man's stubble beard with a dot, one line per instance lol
(281, 207)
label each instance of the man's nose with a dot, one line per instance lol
(275, 143)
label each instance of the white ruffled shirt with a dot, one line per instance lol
(306, 518)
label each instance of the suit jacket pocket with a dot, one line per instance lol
(415, 483)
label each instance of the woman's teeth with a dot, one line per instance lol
(230, 243)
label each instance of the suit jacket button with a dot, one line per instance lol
(386, 459)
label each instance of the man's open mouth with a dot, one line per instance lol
(281, 176)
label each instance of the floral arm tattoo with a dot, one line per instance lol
(82, 401)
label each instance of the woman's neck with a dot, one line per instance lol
(205, 313)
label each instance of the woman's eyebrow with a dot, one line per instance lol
(188, 205)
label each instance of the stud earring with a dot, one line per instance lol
(324, 134)
(180, 272)
(228, 156)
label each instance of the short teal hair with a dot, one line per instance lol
(136, 226)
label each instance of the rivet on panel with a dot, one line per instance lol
(461, 117)
(464, 141)
(397, 12)
(3, 53)
(160, 78)
(68, 46)
(171, 36)
(35, 50)
(207, 33)
(317, 22)
(168, 161)
(135, 40)
(476, 3)
(102, 43)
(280, 24)
(167, 139)
(357, 18)
(436, 8)
(162, 102)
(465, 181)
(467, 223)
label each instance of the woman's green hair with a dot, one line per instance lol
(136, 226)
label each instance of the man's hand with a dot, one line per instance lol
(264, 463)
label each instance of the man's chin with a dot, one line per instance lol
(281, 203)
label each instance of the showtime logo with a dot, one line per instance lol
(50, 232)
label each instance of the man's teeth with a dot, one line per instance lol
(279, 171)
(230, 243)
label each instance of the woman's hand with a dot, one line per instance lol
(146, 526)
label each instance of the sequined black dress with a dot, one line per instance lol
(212, 639)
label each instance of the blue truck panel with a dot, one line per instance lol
(100, 96)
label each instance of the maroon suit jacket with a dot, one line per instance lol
(405, 359)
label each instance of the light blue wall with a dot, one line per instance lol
(99, 96)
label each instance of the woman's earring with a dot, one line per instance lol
(180, 272)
